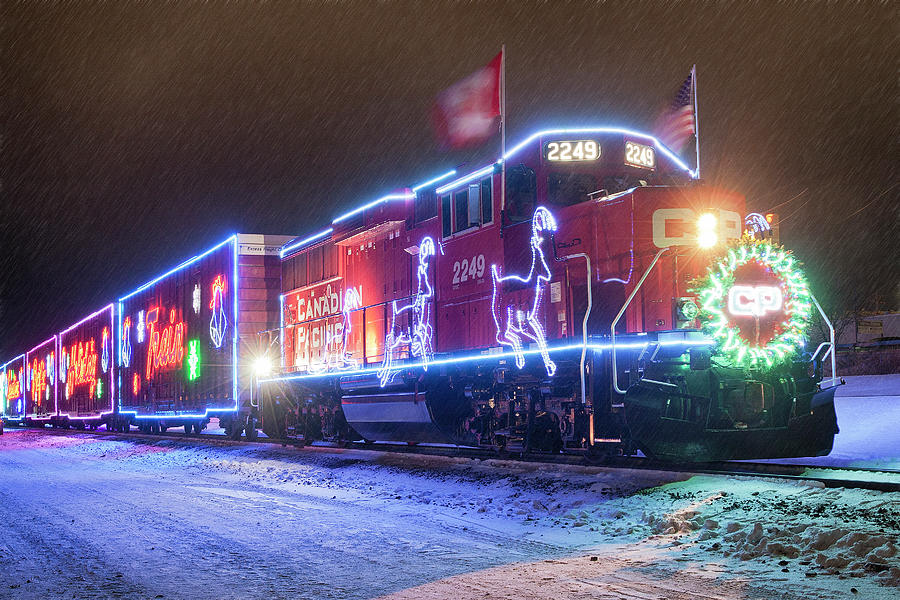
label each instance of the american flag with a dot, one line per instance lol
(676, 125)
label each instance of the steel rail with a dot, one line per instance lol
(787, 471)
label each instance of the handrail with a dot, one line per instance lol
(819, 349)
(834, 377)
(612, 328)
(587, 315)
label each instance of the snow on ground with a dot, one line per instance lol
(87, 517)
(868, 414)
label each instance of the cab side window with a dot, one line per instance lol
(467, 208)
(521, 193)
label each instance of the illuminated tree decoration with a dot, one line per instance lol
(218, 323)
(755, 303)
(514, 323)
(193, 360)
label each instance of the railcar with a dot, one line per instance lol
(86, 372)
(549, 301)
(41, 381)
(12, 389)
(187, 338)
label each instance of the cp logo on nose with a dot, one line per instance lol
(754, 301)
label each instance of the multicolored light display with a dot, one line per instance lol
(166, 347)
(755, 303)
(219, 321)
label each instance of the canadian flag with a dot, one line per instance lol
(465, 113)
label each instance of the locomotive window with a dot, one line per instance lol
(521, 193)
(467, 208)
(566, 189)
(425, 205)
(475, 205)
(461, 207)
(487, 206)
(445, 213)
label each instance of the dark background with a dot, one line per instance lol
(135, 135)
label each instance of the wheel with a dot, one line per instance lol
(154, 427)
(198, 427)
(234, 429)
(188, 428)
(251, 431)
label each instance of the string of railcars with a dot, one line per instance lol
(583, 293)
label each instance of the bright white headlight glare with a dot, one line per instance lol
(706, 230)
(262, 366)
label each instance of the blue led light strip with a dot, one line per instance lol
(189, 261)
(488, 169)
(493, 356)
(234, 350)
(373, 204)
(449, 173)
(301, 243)
(88, 318)
(288, 249)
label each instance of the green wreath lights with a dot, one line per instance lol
(713, 292)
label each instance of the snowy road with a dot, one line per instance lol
(83, 516)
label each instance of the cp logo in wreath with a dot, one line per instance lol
(755, 303)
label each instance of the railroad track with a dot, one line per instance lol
(884, 480)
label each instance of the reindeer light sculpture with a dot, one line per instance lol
(418, 335)
(513, 324)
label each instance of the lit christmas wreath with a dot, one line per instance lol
(755, 303)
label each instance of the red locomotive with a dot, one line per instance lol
(553, 306)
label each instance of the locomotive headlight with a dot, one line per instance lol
(262, 366)
(707, 237)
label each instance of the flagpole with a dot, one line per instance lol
(696, 121)
(502, 132)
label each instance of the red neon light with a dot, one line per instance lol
(219, 286)
(166, 348)
(82, 368)
(136, 384)
(38, 379)
(13, 384)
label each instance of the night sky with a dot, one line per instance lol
(135, 135)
